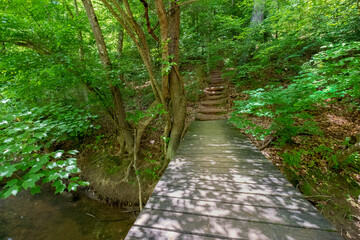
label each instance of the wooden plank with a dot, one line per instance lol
(220, 186)
(146, 233)
(240, 164)
(273, 200)
(217, 159)
(262, 214)
(225, 177)
(223, 227)
(212, 151)
(202, 170)
(265, 189)
(244, 155)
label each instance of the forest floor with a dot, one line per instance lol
(333, 189)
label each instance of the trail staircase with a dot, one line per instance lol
(214, 106)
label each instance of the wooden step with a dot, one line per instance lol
(212, 110)
(217, 82)
(211, 93)
(219, 88)
(213, 102)
(203, 117)
(215, 97)
(222, 84)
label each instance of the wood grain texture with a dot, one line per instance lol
(219, 186)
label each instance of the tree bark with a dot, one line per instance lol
(95, 27)
(80, 36)
(119, 50)
(256, 19)
(172, 90)
(177, 91)
(258, 12)
(125, 137)
(136, 33)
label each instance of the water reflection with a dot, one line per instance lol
(48, 216)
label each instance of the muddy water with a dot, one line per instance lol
(48, 216)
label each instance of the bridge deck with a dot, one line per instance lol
(219, 186)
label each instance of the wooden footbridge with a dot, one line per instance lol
(219, 186)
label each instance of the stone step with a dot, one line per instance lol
(203, 117)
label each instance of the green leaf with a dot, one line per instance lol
(59, 186)
(83, 183)
(7, 170)
(40, 135)
(58, 154)
(72, 186)
(40, 162)
(36, 189)
(11, 191)
(12, 183)
(73, 152)
(30, 183)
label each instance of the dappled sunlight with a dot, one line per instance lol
(338, 120)
(220, 186)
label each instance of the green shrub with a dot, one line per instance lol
(25, 137)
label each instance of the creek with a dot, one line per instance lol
(47, 216)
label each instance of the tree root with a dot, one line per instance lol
(266, 142)
(342, 156)
(126, 178)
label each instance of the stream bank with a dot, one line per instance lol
(48, 216)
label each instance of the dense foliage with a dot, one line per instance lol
(303, 56)
(27, 154)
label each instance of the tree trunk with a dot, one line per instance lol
(258, 12)
(95, 27)
(177, 91)
(256, 19)
(80, 36)
(120, 43)
(119, 50)
(125, 137)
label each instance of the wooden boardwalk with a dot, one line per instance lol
(219, 186)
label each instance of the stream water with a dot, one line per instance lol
(47, 216)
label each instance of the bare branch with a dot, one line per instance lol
(31, 45)
(266, 142)
(69, 11)
(150, 30)
(342, 156)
